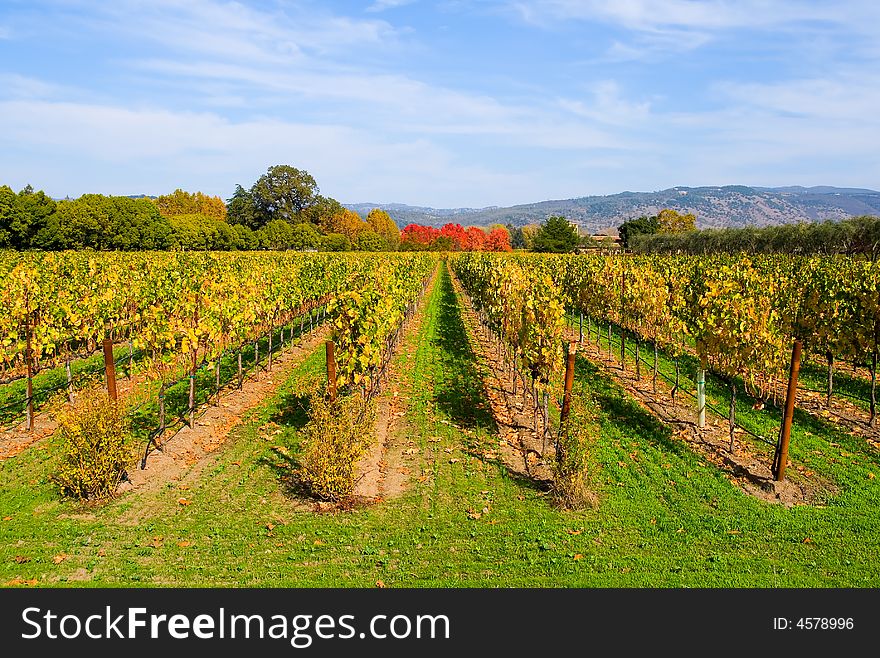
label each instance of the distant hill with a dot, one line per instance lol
(728, 206)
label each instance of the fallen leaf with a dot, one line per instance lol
(450, 450)
(870, 476)
(184, 501)
(21, 559)
(578, 557)
(270, 526)
(454, 460)
(807, 540)
(318, 542)
(7, 518)
(473, 515)
(101, 552)
(734, 532)
(380, 584)
(574, 532)
(58, 559)
(236, 463)
(21, 581)
(156, 542)
(184, 544)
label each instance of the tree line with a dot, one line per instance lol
(853, 236)
(283, 209)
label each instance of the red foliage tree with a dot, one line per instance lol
(476, 239)
(457, 234)
(498, 240)
(418, 235)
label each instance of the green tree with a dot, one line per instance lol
(277, 234)
(304, 236)
(371, 241)
(335, 242)
(323, 210)
(284, 192)
(516, 236)
(10, 215)
(556, 235)
(241, 209)
(246, 239)
(194, 233)
(643, 225)
(95, 221)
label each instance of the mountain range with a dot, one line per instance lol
(732, 206)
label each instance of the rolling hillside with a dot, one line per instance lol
(729, 206)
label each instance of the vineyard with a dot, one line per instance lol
(721, 411)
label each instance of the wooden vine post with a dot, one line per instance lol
(110, 368)
(331, 368)
(780, 458)
(29, 362)
(569, 381)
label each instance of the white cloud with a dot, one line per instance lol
(207, 152)
(608, 107)
(660, 15)
(383, 5)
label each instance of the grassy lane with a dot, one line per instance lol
(665, 518)
(693, 527)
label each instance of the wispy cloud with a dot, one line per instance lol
(383, 5)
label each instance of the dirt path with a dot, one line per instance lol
(520, 448)
(748, 470)
(383, 472)
(186, 451)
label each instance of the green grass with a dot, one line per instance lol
(53, 381)
(666, 517)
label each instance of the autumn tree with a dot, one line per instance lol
(670, 221)
(498, 240)
(347, 223)
(476, 239)
(385, 227)
(529, 232)
(180, 202)
(416, 237)
(457, 234)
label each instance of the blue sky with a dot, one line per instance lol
(447, 103)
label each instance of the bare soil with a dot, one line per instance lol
(186, 451)
(521, 448)
(384, 471)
